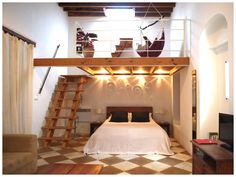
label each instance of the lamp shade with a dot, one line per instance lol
(98, 111)
(159, 111)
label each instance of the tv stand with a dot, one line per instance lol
(211, 159)
(228, 147)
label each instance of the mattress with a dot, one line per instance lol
(129, 138)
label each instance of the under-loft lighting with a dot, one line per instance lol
(121, 71)
(140, 71)
(102, 71)
(119, 13)
(226, 80)
(161, 71)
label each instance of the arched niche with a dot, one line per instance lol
(216, 34)
(213, 52)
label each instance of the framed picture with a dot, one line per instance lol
(213, 135)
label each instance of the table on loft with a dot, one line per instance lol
(59, 168)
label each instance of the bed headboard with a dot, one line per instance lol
(128, 109)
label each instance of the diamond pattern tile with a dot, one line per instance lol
(73, 155)
(158, 166)
(174, 170)
(111, 160)
(54, 159)
(127, 156)
(100, 156)
(49, 154)
(170, 161)
(140, 161)
(141, 170)
(122, 164)
(185, 165)
(97, 162)
(84, 159)
(110, 170)
(180, 156)
(41, 162)
(125, 165)
(154, 156)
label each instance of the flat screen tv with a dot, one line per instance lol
(226, 130)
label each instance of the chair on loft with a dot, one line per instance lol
(152, 49)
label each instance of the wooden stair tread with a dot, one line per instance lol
(66, 107)
(61, 90)
(55, 138)
(48, 118)
(69, 83)
(115, 54)
(59, 127)
(119, 48)
(63, 99)
(55, 117)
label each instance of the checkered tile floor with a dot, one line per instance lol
(179, 163)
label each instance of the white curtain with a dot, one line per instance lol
(17, 85)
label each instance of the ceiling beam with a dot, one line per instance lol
(115, 4)
(83, 14)
(89, 62)
(99, 9)
(101, 14)
(152, 70)
(87, 70)
(155, 14)
(175, 69)
(109, 70)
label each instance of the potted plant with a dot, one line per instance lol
(85, 43)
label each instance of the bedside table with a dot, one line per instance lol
(165, 126)
(94, 126)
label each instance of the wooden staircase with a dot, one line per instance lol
(60, 120)
(124, 43)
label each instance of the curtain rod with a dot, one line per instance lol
(13, 33)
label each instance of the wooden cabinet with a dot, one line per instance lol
(211, 159)
(94, 126)
(165, 126)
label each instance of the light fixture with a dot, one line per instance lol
(226, 80)
(119, 13)
(99, 111)
(160, 71)
(102, 71)
(159, 111)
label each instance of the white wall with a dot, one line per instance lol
(210, 96)
(103, 91)
(47, 25)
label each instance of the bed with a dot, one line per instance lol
(129, 137)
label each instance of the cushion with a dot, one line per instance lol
(119, 116)
(13, 161)
(140, 116)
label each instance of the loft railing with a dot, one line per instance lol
(177, 36)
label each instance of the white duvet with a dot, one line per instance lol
(129, 138)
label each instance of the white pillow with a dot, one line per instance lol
(129, 116)
(150, 116)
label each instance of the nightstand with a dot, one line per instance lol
(94, 126)
(165, 126)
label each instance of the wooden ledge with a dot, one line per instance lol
(101, 62)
